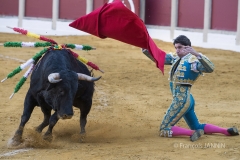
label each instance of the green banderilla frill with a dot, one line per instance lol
(35, 58)
(18, 86)
(14, 72)
(39, 55)
(44, 44)
(84, 47)
(13, 44)
(27, 44)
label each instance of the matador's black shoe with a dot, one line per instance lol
(197, 134)
(233, 131)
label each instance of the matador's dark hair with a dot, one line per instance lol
(182, 40)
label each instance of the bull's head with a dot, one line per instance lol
(61, 95)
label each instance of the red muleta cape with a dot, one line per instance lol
(114, 20)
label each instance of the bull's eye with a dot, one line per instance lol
(61, 92)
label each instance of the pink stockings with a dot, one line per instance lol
(194, 135)
(178, 131)
(210, 128)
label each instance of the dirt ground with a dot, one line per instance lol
(128, 106)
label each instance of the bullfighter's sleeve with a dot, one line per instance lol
(146, 52)
(205, 64)
(169, 58)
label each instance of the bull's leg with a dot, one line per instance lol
(29, 105)
(52, 122)
(47, 115)
(85, 108)
(83, 122)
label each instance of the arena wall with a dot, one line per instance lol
(157, 12)
(224, 15)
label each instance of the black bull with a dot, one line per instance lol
(58, 82)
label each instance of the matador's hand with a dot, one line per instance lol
(189, 49)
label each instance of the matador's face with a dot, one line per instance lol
(180, 50)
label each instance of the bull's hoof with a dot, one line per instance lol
(82, 137)
(16, 140)
(37, 129)
(48, 137)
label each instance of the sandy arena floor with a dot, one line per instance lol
(128, 107)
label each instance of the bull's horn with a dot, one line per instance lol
(54, 78)
(86, 77)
